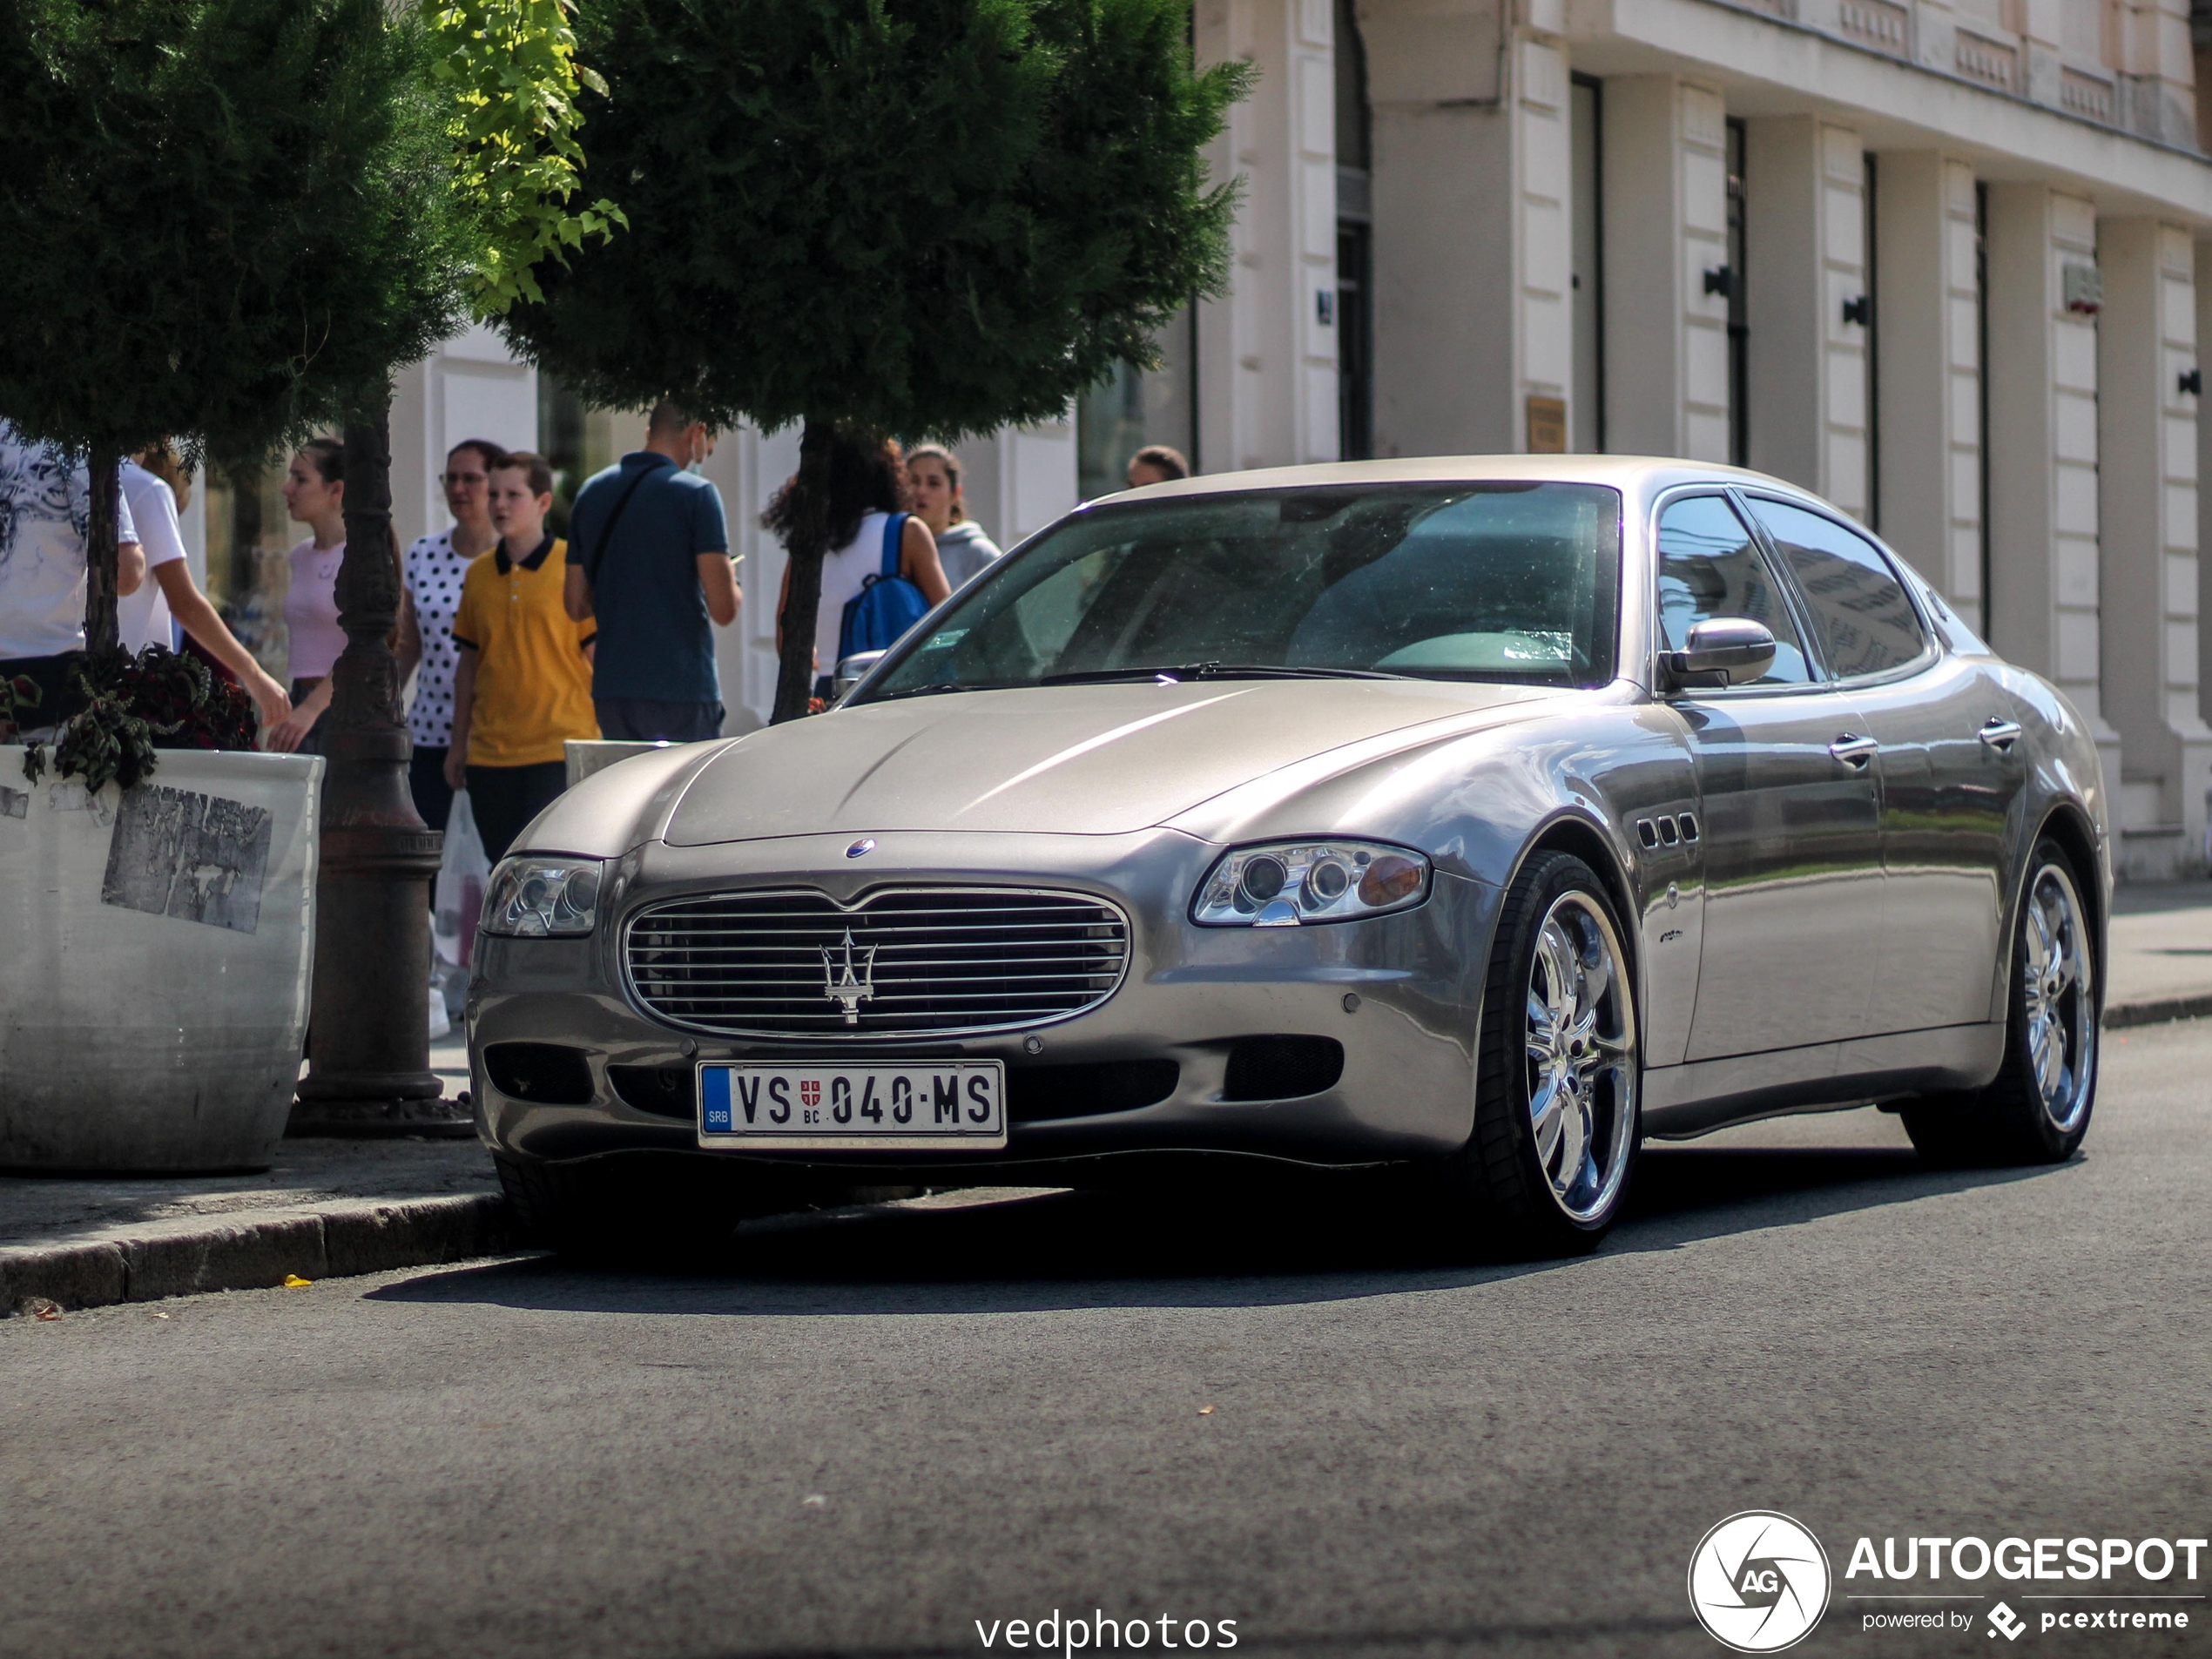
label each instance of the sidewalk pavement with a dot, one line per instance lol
(2161, 953)
(333, 1208)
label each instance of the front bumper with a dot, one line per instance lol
(1191, 993)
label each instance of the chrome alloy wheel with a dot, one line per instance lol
(2060, 997)
(1582, 1056)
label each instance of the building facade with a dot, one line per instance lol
(1935, 259)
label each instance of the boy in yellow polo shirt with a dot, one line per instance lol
(523, 685)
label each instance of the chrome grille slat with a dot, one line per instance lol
(738, 925)
(728, 959)
(947, 961)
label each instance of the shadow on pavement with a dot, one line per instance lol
(1314, 1240)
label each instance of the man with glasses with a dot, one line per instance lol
(435, 567)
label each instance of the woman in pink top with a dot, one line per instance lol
(314, 492)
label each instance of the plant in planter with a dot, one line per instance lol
(133, 706)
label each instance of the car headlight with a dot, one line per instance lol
(1289, 884)
(542, 897)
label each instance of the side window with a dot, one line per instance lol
(1864, 615)
(1708, 566)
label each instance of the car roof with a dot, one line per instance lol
(1634, 475)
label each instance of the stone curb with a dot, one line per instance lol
(254, 1255)
(2159, 1010)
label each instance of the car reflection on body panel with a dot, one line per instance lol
(1482, 816)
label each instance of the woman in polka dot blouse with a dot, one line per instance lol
(435, 567)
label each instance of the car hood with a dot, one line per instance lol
(1086, 759)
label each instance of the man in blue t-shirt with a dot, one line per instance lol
(649, 558)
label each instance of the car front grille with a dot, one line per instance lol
(920, 961)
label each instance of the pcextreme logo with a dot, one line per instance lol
(1758, 1581)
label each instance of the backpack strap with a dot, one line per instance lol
(895, 530)
(598, 555)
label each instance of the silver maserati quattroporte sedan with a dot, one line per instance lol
(1479, 817)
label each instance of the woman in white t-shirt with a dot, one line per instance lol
(862, 486)
(154, 485)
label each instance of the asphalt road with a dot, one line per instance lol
(883, 1430)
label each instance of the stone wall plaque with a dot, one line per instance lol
(1547, 425)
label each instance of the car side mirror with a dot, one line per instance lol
(1722, 650)
(851, 670)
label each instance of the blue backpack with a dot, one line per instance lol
(887, 605)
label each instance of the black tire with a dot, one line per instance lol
(642, 1209)
(2015, 1119)
(1503, 1191)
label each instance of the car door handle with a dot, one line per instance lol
(1853, 749)
(2000, 735)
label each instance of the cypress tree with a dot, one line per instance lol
(225, 221)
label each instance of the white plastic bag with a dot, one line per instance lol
(460, 892)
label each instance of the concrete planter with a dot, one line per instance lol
(155, 947)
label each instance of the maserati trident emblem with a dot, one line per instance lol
(843, 987)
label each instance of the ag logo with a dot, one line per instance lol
(1758, 1581)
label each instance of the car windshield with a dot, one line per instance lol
(1511, 582)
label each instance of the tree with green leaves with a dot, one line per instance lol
(228, 222)
(501, 80)
(510, 70)
(923, 217)
(498, 81)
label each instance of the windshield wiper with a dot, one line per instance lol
(932, 690)
(1214, 671)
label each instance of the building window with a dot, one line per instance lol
(1739, 330)
(578, 439)
(1133, 407)
(1587, 137)
(1355, 341)
(249, 534)
(1872, 326)
(1355, 242)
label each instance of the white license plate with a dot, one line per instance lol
(894, 1104)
